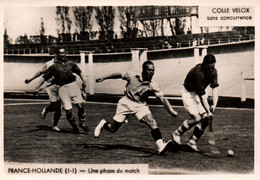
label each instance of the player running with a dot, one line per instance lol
(55, 105)
(62, 72)
(138, 89)
(195, 100)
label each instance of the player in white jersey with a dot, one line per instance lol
(55, 105)
(138, 88)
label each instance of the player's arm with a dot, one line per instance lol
(39, 84)
(83, 78)
(214, 85)
(167, 106)
(160, 95)
(47, 75)
(77, 70)
(36, 75)
(205, 104)
(215, 98)
(110, 76)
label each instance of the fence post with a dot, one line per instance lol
(204, 52)
(91, 73)
(243, 87)
(139, 56)
(196, 55)
(90, 69)
(82, 62)
(135, 59)
(143, 56)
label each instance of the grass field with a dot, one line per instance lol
(30, 139)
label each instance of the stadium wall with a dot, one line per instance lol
(171, 67)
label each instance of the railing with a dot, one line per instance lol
(75, 49)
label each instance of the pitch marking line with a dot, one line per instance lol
(38, 100)
(179, 171)
(105, 103)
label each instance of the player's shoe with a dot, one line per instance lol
(84, 127)
(193, 145)
(99, 128)
(56, 128)
(164, 148)
(44, 113)
(176, 138)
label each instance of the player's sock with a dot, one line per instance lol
(183, 128)
(112, 127)
(107, 126)
(197, 133)
(199, 129)
(57, 116)
(81, 114)
(57, 113)
(72, 121)
(51, 107)
(157, 136)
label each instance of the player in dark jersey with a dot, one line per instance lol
(55, 105)
(62, 73)
(138, 89)
(195, 100)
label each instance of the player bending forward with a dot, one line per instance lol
(195, 100)
(138, 88)
(62, 72)
(52, 91)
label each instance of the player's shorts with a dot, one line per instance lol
(53, 93)
(127, 107)
(192, 103)
(70, 93)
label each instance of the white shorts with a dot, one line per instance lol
(127, 107)
(53, 93)
(192, 103)
(70, 93)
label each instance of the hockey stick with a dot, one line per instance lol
(84, 93)
(212, 138)
(34, 92)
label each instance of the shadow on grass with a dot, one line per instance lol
(147, 152)
(185, 148)
(49, 128)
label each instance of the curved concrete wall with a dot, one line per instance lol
(171, 67)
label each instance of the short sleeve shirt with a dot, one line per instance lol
(62, 72)
(139, 90)
(197, 80)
